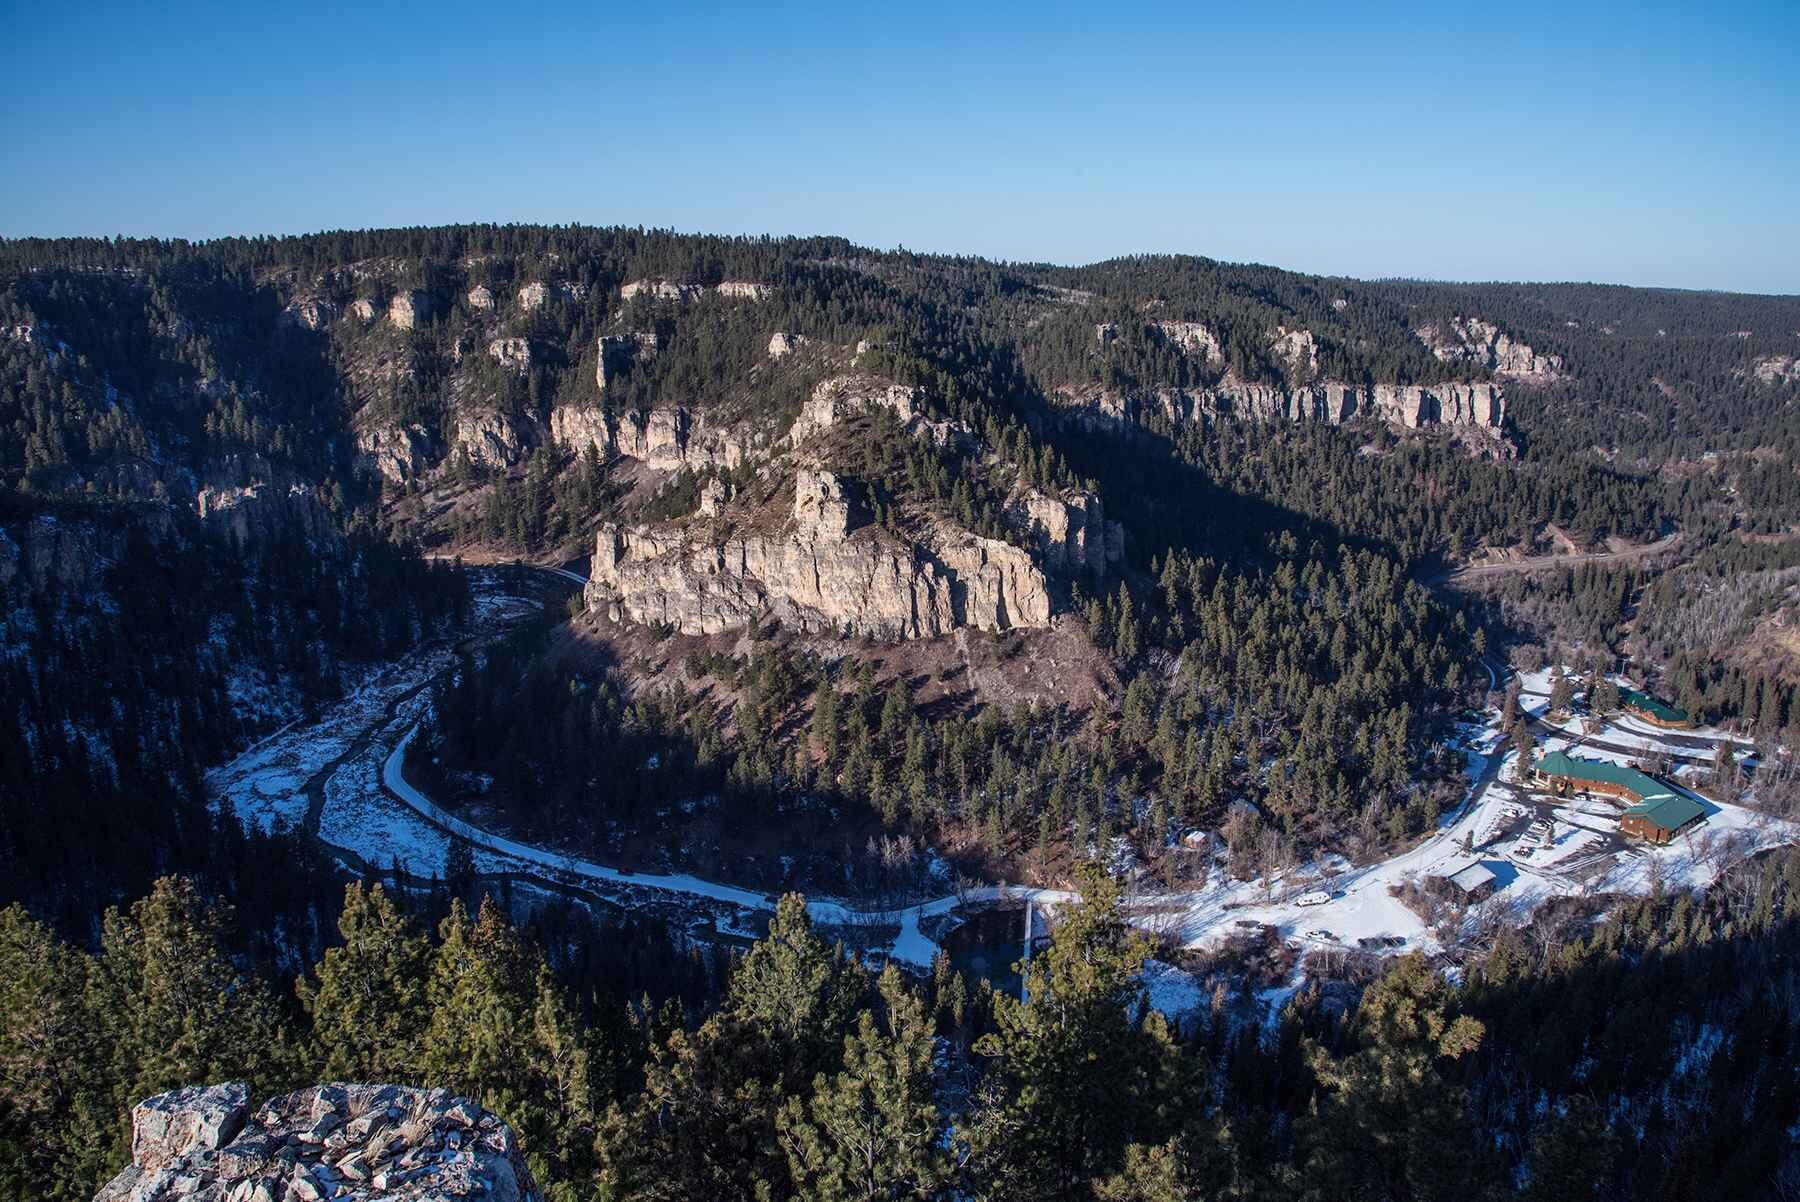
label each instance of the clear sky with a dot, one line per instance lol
(1647, 144)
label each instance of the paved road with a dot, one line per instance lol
(1506, 567)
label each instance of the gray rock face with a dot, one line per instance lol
(619, 352)
(672, 290)
(491, 440)
(481, 297)
(536, 293)
(1482, 343)
(817, 577)
(397, 453)
(1776, 369)
(1070, 531)
(1191, 337)
(310, 312)
(407, 309)
(840, 397)
(781, 343)
(664, 439)
(357, 1143)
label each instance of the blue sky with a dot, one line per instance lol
(1649, 144)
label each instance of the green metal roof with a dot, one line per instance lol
(1669, 811)
(1560, 763)
(1649, 704)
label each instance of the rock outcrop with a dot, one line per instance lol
(1070, 531)
(673, 290)
(818, 576)
(1483, 344)
(1776, 369)
(781, 344)
(511, 352)
(311, 312)
(661, 290)
(364, 309)
(491, 440)
(742, 290)
(1297, 352)
(1190, 337)
(537, 293)
(407, 309)
(1476, 405)
(664, 439)
(618, 353)
(840, 397)
(355, 1143)
(397, 453)
(481, 298)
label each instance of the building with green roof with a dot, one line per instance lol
(1660, 819)
(1653, 710)
(1658, 812)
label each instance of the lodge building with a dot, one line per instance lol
(1646, 708)
(1658, 812)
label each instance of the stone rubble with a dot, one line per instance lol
(342, 1142)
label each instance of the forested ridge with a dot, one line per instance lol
(223, 467)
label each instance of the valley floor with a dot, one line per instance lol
(342, 779)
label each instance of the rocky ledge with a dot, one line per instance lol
(352, 1142)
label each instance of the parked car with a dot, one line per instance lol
(1321, 934)
(1316, 897)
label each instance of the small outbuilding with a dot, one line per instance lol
(1474, 882)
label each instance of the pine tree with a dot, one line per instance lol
(171, 1008)
(871, 1131)
(1077, 1075)
(1388, 1124)
(57, 1121)
(368, 1005)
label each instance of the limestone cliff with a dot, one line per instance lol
(1476, 405)
(1483, 344)
(664, 439)
(355, 1143)
(1070, 531)
(673, 290)
(815, 575)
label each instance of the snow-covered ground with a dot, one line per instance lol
(372, 813)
